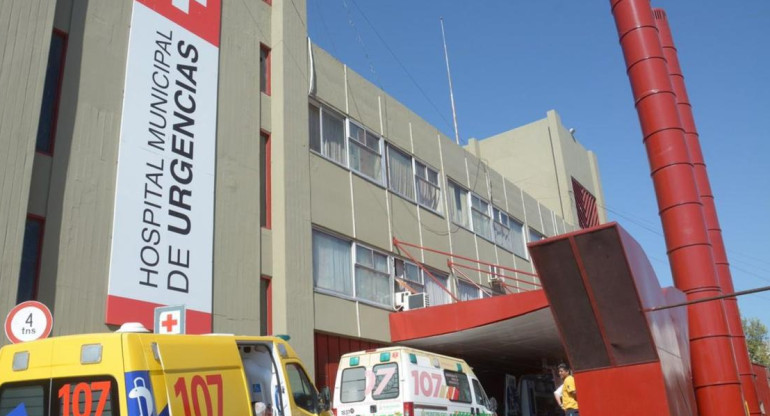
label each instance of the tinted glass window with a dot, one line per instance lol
(48, 106)
(481, 397)
(87, 397)
(26, 400)
(302, 391)
(353, 385)
(30, 256)
(385, 381)
(460, 389)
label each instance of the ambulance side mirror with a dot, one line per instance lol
(326, 398)
(493, 404)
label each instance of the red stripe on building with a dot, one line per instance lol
(201, 18)
(121, 310)
(588, 215)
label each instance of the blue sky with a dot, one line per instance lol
(513, 60)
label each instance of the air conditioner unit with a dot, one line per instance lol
(407, 301)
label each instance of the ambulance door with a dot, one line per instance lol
(482, 406)
(300, 391)
(203, 376)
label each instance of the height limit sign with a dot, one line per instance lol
(28, 321)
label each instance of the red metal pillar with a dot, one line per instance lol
(724, 277)
(715, 376)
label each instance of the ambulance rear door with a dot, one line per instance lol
(203, 376)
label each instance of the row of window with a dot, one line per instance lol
(353, 270)
(486, 220)
(349, 144)
(344, 141)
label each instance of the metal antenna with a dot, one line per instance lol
(451, 91)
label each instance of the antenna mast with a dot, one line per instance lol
(451, 91)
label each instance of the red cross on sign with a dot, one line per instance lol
(170, 320)
(169, 323)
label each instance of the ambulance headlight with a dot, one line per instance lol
(91, 354)
(21, 361)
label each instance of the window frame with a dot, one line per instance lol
(419, 284)
(394, 378)
(306, 383)
(266, 216)
(460, 376)
(456, 187)
(265, 69)
(417, 178)
(488, 215)
(388, 148)
(387, 274)
(364, 147)
(342, 384)
(59, 83)
(322, 109)
(41, 221)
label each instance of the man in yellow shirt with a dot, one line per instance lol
(569, 393)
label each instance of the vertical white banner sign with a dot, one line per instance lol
(164, 200)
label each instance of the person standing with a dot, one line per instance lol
(569, 393)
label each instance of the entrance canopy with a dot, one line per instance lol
(512, 333)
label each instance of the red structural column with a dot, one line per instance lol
(709, 210)
(715, 376)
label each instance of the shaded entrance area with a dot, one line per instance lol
(512, 333)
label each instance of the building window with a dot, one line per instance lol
(428, 189)
(502, 229)
(373, 276)
(29, 273)
(517, 237)
(410, 274)
(535, 235)
(459, 203)
(265, 180)
(49, 107)
(331, 264)
(482, 224)
(400, 176)
(466, 290)
(585, 203)
(265, 306)
(327, 134)
(264, 69)
(365, 152)
(437, 291)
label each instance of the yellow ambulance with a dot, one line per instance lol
(143, 374)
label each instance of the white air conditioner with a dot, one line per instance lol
(407, 301)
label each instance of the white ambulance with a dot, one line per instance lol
(400, 381)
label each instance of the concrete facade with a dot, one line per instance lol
(520, 177)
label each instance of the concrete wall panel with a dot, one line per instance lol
(426, 143)
(532, 210)
(434, 236)
(515, 201)
(335, 315)
(237, 211)
(404, 222)
(331, 205)
(370, 213)
(396, 123)
(547, 217)
(25, 37)
(329, 78)
(363, 101)
(375, 323)
(76, 254)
